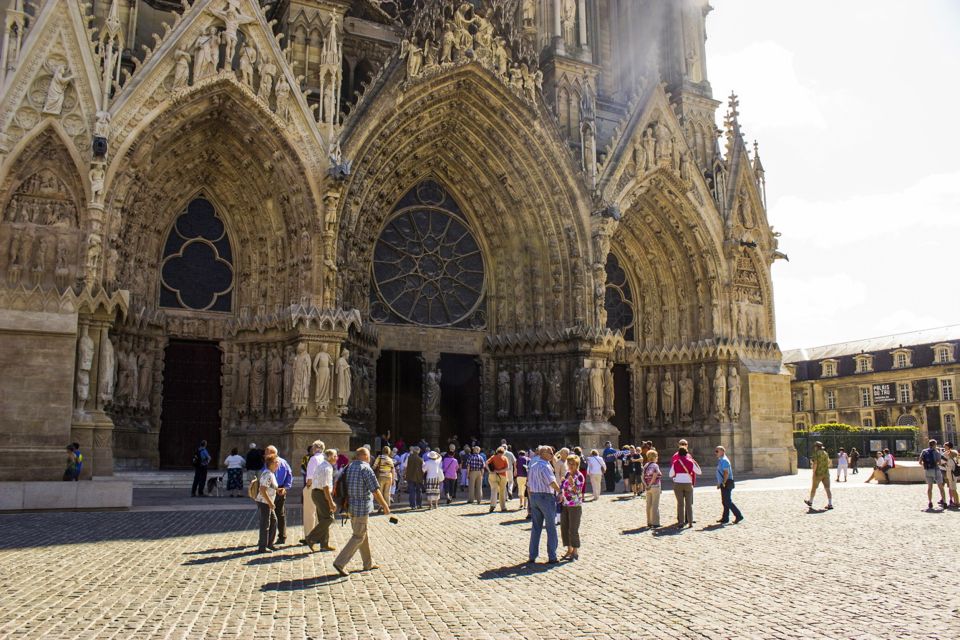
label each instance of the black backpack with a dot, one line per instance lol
(929, 459)
(340, 497)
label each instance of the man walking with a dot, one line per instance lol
(362, 489)
(725, 485)
(475, 463)
(542, 487)
(284, 482)
(309, 511)
(201, 459)
(610, 460)
(820, 463)
(499, 466)
(322, 483)
(930, 459)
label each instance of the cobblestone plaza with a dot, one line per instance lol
(188, 571)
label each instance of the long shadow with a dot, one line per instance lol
(303, 583)
(630, 532)
(275, 557)
(668, 531)
(474, 515)
(713, 527)
(517, 570)
(624, 499)
(216, 550)
(509, 522)
(213, 559)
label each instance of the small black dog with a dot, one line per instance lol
(214, 484)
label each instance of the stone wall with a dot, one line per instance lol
(768, 412)
(37, 353)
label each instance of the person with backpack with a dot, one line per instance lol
(820, 463)
(70, 473)
(359, 483)
(930, 459)
(76, 452)
(284, 483)
(201, 460)
(266, 487)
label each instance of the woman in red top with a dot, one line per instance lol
(684, 470)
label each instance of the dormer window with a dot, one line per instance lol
(829, 368)
(901, 358)
(864, 363)
(943, 353)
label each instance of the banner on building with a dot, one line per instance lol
(885, 392)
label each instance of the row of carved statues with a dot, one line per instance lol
(668, 399)
(537, 391)
(273, 379)
(34, 253)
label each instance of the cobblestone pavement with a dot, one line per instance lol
(455, 573)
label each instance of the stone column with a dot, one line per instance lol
(582, 15)
(431, 417)
(558, 28)
(91, 427)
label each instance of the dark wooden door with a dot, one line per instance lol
(399, 389)
(459, 399)
(191, 402)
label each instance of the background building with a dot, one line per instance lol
(497, 218)
(906, 379)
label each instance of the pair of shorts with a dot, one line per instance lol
(933, 476)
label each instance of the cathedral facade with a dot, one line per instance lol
(248, 221)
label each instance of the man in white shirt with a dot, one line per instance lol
(309, 510)
(511, 470)
(596, 467)
(322, 495)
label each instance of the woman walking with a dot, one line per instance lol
(596, 467)
(414, 478)
(571, 498)
(651, 484)
(383, 467)
(854, 459)
(684, 470)
(842, 464)
(266, 495)
(451, 468)
(235, 463)
(433, 476)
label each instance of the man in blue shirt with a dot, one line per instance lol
(201, 459)
(76, 452)
(610, 459)
(725, 485)
(362, 489)
(284, 482)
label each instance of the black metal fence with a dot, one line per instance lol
(903, 444)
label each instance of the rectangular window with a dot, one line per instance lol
(831, 399)
(865, 398)
(950, 427)
(863, 365)
(868, 422)
(903, 392)
(901, 360)
(946, 389)
(941, 355)
(798, 403)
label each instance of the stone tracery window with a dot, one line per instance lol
(197, 268)
(619, 299)
(428, 268)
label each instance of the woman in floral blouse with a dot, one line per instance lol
(571, 499)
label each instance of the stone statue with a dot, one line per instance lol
(597, 396)
(582, 383)
(301, 378)
(667, 391)
(535, 382)
(110, 275)
(343, 381)
(40, 259)
(447, 43)
(101, 128)
(554, 389)
(122, 392)
(61, 270)
(719, 392)
(85, 349)
(267, 72)
(528, 12)
(57, 90)
(288, 358)
(145, 378)
(321, 369)
(107, 372)
(686, 396)
(207, 54)
(649, 149)
(414, 56)
(133, 374)
(232, 18)
(518, 379)
(97, 177)
(703, 391)
(181, 70)
(664, 142)
(274, 381)
(503, 393)
(94, 251)
(733, 387)
(462, 23)
(651, 396)
(568, 21)
(431, 392)
(501, 57)
(283, 99)
(483, 38)
(258, 378)
(248, 58)
(610, 392)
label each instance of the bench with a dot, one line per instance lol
(905, 472)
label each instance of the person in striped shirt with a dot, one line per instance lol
(542, 487)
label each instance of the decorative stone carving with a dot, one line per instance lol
(57, 89)
(651, 393)
(503, 393)
(321, 369)
(568, 21)
(233, 19)
(40, 259)
(258, 379)
(241, 394)
(301, 378)
(274, 382)
(582, 384)
(733, 387)
(97, 177)
(288, 365)
(597, 395)
(610, 391)
(686, 396)
(667, 392)
(248, 58)
(283, 99)
(431, 392)
(267, 72)
(206, 56)
(344, 387)
(554, 390)
(535, 383)
(85, 348)
(719, 393)
(107, 372)
(181, 69)
(703, 391)
(145, 361)
(518, 386)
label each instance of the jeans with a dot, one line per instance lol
(268, 526)
(684, 493)
(415, 490)
(543, 508)
(611, 476)
(279, 504)
(199, 481)
(726, 496)
(450, 488)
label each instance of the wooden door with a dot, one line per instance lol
(191, 403)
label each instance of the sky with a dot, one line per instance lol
(854, 104)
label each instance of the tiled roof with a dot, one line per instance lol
(883, 343)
